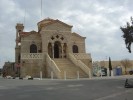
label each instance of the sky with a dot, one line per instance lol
(97, 20)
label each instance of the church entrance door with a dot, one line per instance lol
(57, 47)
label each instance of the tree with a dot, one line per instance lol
(126, 63)
(128, 34)
(110, 66)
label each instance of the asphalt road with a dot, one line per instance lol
(98, 89)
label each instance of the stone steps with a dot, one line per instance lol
(71, 70)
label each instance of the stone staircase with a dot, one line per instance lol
(71, 70)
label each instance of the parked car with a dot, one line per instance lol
(131, 72)
(28, 76)
(8, 77)
(102, 72)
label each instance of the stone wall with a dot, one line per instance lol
(32, 67)
(29, 40)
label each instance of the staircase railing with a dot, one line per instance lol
(53, 66)
(80, 64)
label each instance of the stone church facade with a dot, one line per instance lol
(54, 51)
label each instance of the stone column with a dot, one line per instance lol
(53, 49)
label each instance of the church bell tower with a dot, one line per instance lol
(19, 29)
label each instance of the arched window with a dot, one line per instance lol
(19, 58)
(33, 48)
(75, 49)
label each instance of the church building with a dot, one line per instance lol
(54, 51)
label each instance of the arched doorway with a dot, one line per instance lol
(19, 58)
(57, 49)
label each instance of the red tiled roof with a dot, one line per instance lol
(47, 19)
(77, 35)
(51, 21)
(24, 33)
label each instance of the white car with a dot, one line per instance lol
(27, 77)
(8, 77)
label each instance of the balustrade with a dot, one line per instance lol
(82, 55)
(31, 55)
(53, 66)
(80, 64)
